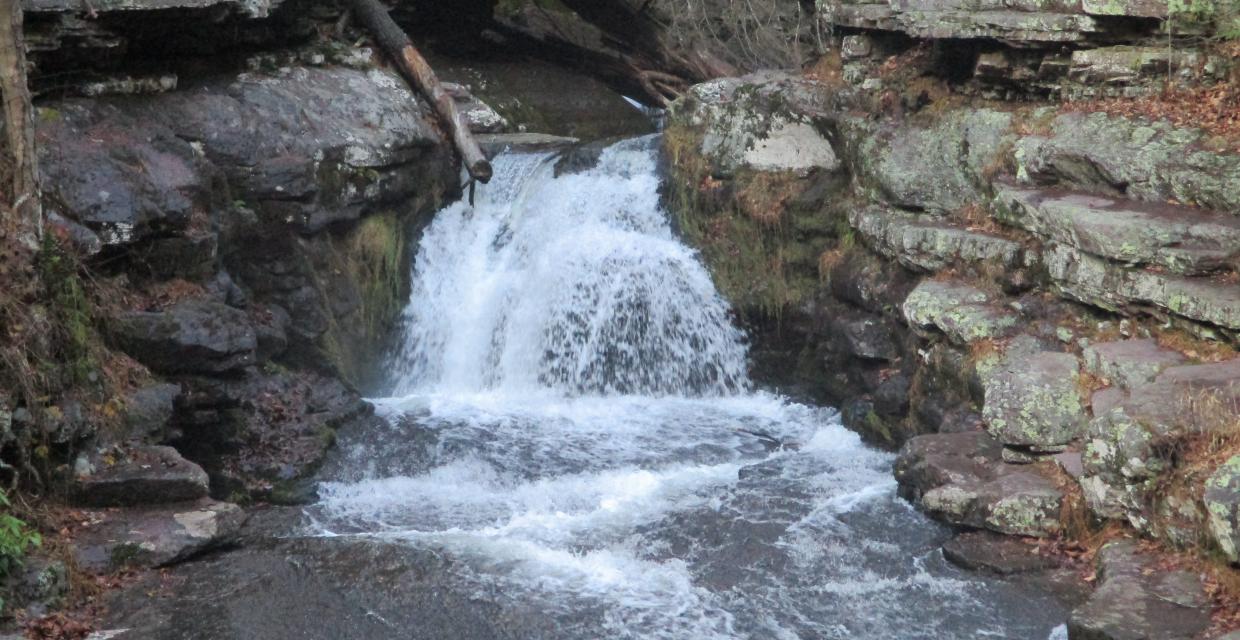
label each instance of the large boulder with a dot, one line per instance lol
(143, 475)
(1136, 599)
(121, 174)
(749, 125)
(939, 169)
(960, 478)
(191, 336)
(138, 168)
(154, 536)
(1032, 397)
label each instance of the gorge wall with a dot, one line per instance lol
(959, 228)
(955, 226)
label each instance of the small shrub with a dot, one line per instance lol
(16, 538)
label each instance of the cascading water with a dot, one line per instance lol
(572, 425)
(574, 285)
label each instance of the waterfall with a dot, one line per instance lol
(573, 284)
(572, 429)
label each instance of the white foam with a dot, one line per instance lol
(584, 439)
(574, 284)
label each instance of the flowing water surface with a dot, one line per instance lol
(571, 424)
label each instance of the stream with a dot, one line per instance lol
(572, 449)
(571, 421)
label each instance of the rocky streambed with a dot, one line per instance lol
(1034, 303)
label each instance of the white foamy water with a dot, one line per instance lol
(571, 422)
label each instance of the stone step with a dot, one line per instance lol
(192, 336)
(927, 243)
(1130, 363)
(139, 476)
(1112, 286)
(1138, 598)
(1182, 240)
(961, 311)
(154, 536)
(993, 553)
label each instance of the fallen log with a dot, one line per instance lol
(414, 68)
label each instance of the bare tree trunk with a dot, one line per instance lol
(19, 169)
(396, 44)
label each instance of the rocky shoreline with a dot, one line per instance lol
(1038, 304)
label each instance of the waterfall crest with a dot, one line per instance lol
(572, 283)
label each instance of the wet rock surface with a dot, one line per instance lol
(154, 536)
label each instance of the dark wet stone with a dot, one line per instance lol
(255, 432)
(155, 536)
(148, 410)
(225, 289)
(193, 336)
(271, 326)
(192, 256)
(862, 335)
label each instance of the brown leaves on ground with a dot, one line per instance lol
(59, 626)
(1215, 110)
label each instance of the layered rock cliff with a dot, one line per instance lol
(1035, 294)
